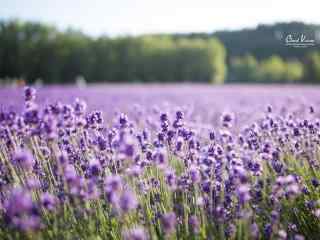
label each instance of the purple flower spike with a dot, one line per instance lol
(70, 173)
(194, 174)
(48, 201)
(243, 193)
(194, 223)
(160, 157)
(169, 222)
(128, 201)
(80, 107)
(137, 233)
(298, 237)
(24, 159)
(94, 167)
(33, 183)
(254, 230)
(315, 182)
(19, 201)
(113, 184)
(29, 94)
(123, 120)
(20, 210)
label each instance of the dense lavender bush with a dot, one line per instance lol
(159, 173)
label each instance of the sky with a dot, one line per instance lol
(133, 17)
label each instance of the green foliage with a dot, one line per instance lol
(270, 70)
(313, 67)
(294, 71)
(262, 43)
(34, 51)
(244, 69)
(218, 55)
(267, 40)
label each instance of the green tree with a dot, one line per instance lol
(244, 69)
(294, 71)
(312, 67)
(272, 69)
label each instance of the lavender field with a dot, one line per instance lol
(140, 162)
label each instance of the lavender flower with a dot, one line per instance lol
(21, 211)
(243, 193)
(254, 231)
(94, 167)
(168, 221)
(194, 174)
(48, 201)
(194, 223)
(137, 233)
(23, 158)
(59, 163)
(29, 94)
(113, 183)
(80, 107)
(127, 201)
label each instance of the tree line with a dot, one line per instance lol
(34, 51)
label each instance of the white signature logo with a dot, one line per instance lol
(299, 41)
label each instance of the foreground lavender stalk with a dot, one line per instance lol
(69, 174)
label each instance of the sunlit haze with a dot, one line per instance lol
(123, 17)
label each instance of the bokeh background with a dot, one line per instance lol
(80, 42)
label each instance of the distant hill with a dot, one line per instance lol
(264, 40)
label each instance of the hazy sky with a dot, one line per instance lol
(149, 16)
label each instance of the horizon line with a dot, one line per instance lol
(116, 35)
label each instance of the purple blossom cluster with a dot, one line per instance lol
(159, 173)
